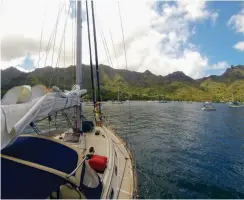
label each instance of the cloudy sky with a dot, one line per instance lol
(197, 37)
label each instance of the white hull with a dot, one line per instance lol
(162, 102)
(236, 106)
(209, 109)
(117, 102)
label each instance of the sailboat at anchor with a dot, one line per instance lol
(235, 104)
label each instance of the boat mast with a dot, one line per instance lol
(96, 59)
(89, 40)
(78, 63)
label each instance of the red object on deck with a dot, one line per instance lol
(98, 163)
(101, 157)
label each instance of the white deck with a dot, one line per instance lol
(109, 145)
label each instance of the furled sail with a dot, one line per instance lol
(21, 105)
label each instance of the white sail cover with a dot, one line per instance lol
(21, 105)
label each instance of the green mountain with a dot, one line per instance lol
(135, 85)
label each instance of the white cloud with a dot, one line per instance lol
(23, 69)
(220, 65)
(239, 46)
(237, 21)
(157, 41)
(195, 10)
(191, 63)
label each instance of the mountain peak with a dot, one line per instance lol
(236, 71)
(237, 67)
(178, 76)
(12, 69)
(178, 73)
(147, 72)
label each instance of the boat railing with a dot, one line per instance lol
(78, 166)
(135, 182)
(131, 153)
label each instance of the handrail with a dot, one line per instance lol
(121, 178)
(69, 175)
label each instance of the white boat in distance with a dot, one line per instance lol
(236, 105)
(207, 106)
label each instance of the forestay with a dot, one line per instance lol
(21, 105)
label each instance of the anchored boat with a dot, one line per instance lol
(207, 106)
(162, 101)
(80, 161)
(235, 104)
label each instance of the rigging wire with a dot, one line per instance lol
(73, 71)
(96, 59)
(40, 46)
(49, 44)
(61, 44)
(89, 40)
(105, 42)
(54, 43)
(126, 65)
(48, 47)
(105, 49)
(121, 24)
(64, 57)
(62, 41)
(72, 50)
(114, 49)
(109, 60)
(74, 56)
(116, 60)
(56, 28)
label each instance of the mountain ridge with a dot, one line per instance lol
(136, 85)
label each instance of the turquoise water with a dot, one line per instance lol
(181, 151)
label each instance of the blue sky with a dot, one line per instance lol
(28, 63)
(217, 41)
(196, 37)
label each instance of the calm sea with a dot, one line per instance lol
(181, 151)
